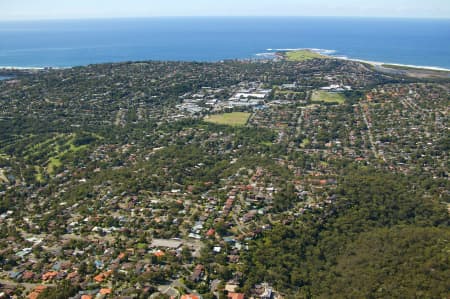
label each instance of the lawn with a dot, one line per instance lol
(303, 55)
(3, 178)
(230, 119)
(305, 143)
(327, 97)
(52, 152)
(38, 175)
(53, 164)
(55, 161)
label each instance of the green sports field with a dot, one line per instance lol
(327, 97)
(230, 119)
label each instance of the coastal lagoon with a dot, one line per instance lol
(422, 42)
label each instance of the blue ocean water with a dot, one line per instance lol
(422, 42)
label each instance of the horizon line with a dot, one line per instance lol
(222, 16)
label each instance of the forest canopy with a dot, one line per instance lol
(380, 240)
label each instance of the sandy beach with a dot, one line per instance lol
(386, 64)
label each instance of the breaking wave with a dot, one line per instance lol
(317, 50)
(268, 54)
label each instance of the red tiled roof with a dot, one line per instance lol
(105, 291)
(102, 276)
(37, 291)
(49, 275)
(159, 253)
(236, 296)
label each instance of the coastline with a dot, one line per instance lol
(34, 68)
(387, 64)
(380, 64)
(411, 42)
(271, 54)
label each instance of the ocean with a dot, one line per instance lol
(422, 42)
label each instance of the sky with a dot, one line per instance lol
(79, 9)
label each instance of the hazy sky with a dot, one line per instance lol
(62, 9)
